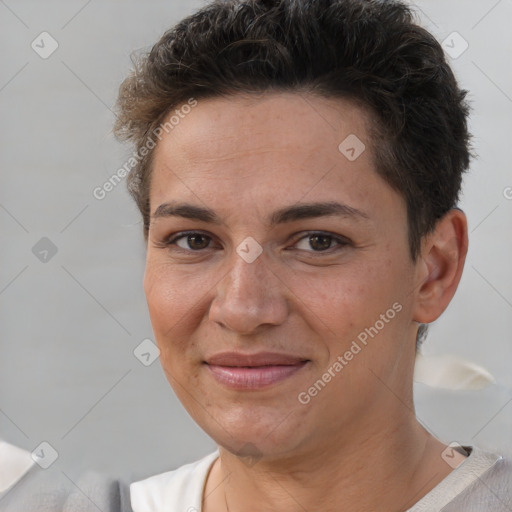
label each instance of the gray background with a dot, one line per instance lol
(69, 325)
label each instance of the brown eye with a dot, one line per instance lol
(196, 241)
(320, 242)
(191, 241)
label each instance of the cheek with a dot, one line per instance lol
(174, 308)
(348, 299)
(174, 302)
(358, 304)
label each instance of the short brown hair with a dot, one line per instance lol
(368, 51)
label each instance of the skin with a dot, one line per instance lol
(357, 444)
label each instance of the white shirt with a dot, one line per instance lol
(481, 482)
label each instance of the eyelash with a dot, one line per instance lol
(171, 241)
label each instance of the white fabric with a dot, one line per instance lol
(448, 371)
(182, 489)
(14, 464)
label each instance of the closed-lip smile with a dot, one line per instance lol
(240, 371)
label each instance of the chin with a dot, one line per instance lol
(247, 430)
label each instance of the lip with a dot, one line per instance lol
(253, 371)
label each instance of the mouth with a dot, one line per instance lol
(253, 371)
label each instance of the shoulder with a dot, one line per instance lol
(499, 473)
(180, 489)
(480, 483)
(51, 491)
(493, 490)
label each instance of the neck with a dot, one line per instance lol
(387, 469)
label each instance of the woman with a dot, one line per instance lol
(298, 169)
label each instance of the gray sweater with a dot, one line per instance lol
(45, 491)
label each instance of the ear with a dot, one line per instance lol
(439, 267)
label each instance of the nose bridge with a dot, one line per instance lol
(248, 296)
(248, 278)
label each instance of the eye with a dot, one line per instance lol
(196, 241)
(190, 241)
(320, 242)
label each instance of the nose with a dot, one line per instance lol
(249, 297)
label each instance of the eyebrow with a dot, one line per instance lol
(280, 216)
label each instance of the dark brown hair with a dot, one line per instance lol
(368, 51)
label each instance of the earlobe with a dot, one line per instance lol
(440, 266)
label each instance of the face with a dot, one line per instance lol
(278, 274)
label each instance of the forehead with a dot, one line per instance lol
(266, 151)
(224, 128)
